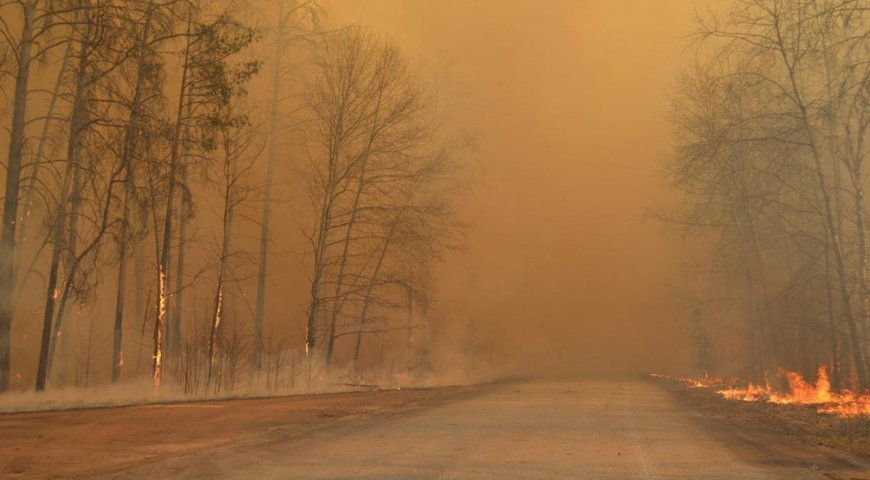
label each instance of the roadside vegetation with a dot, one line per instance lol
(800, 421)
(216, 196)
(772, 138)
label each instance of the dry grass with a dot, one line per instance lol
(851, 435)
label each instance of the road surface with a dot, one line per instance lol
(542, 429)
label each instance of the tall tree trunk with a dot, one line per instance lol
(861, 329)
(76, 262)
(839, 263)
(10, 201)
(321, 244)
(30, 190)
(166, 243)
(362, 159)
(130, 145)
(833, 335)
(791, 65)
(756, 346)
(853, 170)
(320, 247)
(771, 334)
(363, 318)
(70, 245)
(118, 330)
(338, 301)
(139, 279)
(219, 300)
(173, 330)
(51, 292)
(260, 307)
(50, 331)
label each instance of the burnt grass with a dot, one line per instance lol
(802, 422)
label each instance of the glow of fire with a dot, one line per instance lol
(843, 404)
(217, 323)
(161, 316)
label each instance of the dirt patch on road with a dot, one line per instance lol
(83, 443)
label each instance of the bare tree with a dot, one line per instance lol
(32, 42)
(375, 183)
(95, 27)
(771, 118)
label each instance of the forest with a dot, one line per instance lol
(429, 239)
(164, 160)
(772, 120)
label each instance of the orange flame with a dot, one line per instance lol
(843, 404)
(752, 393)
(157, 366)
(800, 392)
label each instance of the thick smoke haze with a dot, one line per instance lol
(561, 267)
(568, 101)
(434, 238)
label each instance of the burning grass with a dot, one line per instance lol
(843, 404)
(801, 421)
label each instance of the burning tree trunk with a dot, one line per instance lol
(167, 223)
(208, 83)
(223, 261)
(131, 147)
(237, 138)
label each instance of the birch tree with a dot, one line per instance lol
(374, 161)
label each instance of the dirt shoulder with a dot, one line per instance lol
(801, 422)
(82, 443)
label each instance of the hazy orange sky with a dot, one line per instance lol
(568, 101)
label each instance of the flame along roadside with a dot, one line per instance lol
(844, 403)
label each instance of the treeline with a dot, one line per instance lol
(134, 126)
(772, 125)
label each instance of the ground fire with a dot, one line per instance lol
(797, 391)
(429, 239)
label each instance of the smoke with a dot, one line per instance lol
(561, 271)
(568, 100)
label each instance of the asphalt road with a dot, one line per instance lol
(631, 429)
